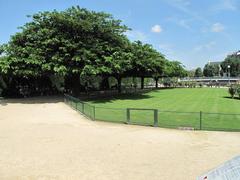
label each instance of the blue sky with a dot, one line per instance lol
(191, 31)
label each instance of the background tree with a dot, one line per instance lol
(211, 70)
(191, 73)
(198, 72)
(233, 61)
(146, 62)
(174, 69)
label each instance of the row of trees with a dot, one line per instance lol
(77, 44)
(230, 66)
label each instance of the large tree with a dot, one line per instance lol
(174, 69)
(71, 43)
(198, 72)
(211, 70)
(146, 62)
(232, 61)
(79, 44)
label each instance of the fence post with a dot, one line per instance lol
(83, 108)
(128, 116)
(200, 122)
(155, 118)
(94, 113)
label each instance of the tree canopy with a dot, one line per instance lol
(233, 61)
(79, 43)
(174, 69)
(211, 70)
(198, 72)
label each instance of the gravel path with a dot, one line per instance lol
(45, 139)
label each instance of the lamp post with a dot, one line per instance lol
(228, 73)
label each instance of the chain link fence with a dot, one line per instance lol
(157, 118)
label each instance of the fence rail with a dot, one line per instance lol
(157, 118)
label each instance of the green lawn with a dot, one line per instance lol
(176, 108)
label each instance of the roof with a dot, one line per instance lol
(215, 63)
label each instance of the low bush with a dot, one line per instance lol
(238, 92)
(234, 90)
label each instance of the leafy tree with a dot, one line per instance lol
(3, 72)
(191, 73)
(70, 43)
(78, 44)
(174, 69)
(198, 72)
(146, 62)
(233, 61)
(211, 70)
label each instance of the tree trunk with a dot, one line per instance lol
(72, 83)
(119, 81)
(142, 82)
(2, 83)
(156, 83)
(104, 84)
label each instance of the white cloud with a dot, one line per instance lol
(184, 6)
(156, 28)
(217, 27)
(137, 35)
(225, 5)
(184, 23)
(180, 2)
(203, 47)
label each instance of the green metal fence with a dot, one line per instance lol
(157, 118)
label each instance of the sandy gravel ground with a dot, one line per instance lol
(45, 139)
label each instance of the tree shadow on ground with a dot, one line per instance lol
(228, 97)
(32, 100)
(119, 97)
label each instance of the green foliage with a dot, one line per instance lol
(211, 70)
(238, 92)
(146, 61)
(72, 41)
(79, 43)
(191, 73)
(174, 69)
(4, 65)
(233, 61)
(232, 90)
(198, 72)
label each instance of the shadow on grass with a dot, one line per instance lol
(119, 97)
(228, 97)
(32, 100)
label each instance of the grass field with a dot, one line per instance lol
(176, 108)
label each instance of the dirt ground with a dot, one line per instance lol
(45, 139)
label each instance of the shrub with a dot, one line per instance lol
(232, 91)
(238, 92)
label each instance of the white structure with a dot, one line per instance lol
(228, 171)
